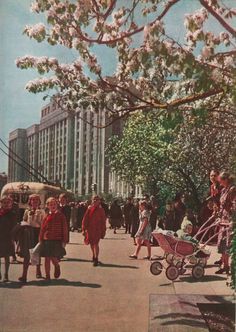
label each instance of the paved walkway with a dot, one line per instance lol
(181, 313)
(111, 297)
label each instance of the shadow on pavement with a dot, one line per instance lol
(11, 284)
(101, 264)
(61, 282)
(76, 260)
(219, 298)
(117, 266)
(176, 315)
(187, 319)
(208, 266)
(114, 238)
(203, 279)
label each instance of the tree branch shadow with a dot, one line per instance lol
(187, 319)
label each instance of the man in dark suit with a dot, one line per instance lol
(66, 210)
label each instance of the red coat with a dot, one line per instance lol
(94, 224)
(54, 227)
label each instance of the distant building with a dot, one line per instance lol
(17, 145)
(68, 149)
(3, 180)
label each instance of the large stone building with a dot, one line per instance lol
(3, 180)
(68, 149)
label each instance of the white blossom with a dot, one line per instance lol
(228, 61)
(224, 36)
(34, 7)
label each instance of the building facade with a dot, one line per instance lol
(18, 151)
(3, 180)
(67, 149)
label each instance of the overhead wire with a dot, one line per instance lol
(30, 166)
(20, 165)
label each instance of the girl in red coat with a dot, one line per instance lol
(53, 237)
(94, 227)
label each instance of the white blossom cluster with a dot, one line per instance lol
(154, 70)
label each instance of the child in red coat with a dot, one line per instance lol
(53, 237)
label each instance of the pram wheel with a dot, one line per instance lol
(156, 268)
(169, 258)
(202, 262)
(172, 272)
(179, 264)
(198, 271)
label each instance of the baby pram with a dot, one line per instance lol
(181, 254)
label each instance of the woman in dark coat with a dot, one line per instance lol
(127, 208)
(134, 217)
(7, 223)
(180, 210)
(227, 201)
(116, 216)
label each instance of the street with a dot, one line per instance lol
(111, 297)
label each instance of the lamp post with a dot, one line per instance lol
(94, 188)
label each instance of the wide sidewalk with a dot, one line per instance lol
(110, 297)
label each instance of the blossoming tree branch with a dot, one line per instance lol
(155, 70)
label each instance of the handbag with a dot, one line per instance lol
(34, 257)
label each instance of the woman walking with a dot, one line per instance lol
(53, 237)
(116, 216)
(134, 216)
(7, 223)
(227, 199)
(33, 217)
(94, 227)
(143, 235)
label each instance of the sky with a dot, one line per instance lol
(18, 107)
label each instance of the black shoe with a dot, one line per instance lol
(95, 263)
(5, 279)
(48, 279)
(221, 271)
(22, 280)
(219, 262)
(133, 257)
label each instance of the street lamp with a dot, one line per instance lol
(94, 188)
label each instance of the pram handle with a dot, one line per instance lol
(206, 222)
(201, 229)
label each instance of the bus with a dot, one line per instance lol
(20, 192)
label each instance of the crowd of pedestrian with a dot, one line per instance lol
(45, 232)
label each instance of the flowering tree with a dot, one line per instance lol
(175, 154)
(154, 70)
